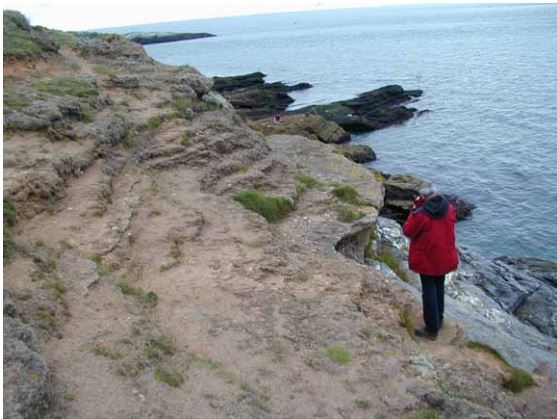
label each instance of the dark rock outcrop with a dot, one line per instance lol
(358, 153)
(146, 38)
(369, 111)
(400, 192)
(254, 98)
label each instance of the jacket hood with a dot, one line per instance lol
(436, 206)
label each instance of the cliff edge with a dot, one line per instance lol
(161, 257)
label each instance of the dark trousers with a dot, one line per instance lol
(433, 301)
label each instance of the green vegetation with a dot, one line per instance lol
(157, 120)
(9, 213)
(66, 86)
(306, 182)
(377, 174)
(106, 352)
(148, 299)
(309, 182)
(347, 214)
(182, 107)
(272, 208)
(103, 70)
(338, 354)
(405, 320)
(488, 349)
(156, 349)
(23, 41)
(519, 379)
(363, 404)
(47, 319)
(173, 379)
(57, 289)
(9, 217)
(243, 168)
(348, 194)
(16, 101)
(205, 363)
(185, 138)
(392, 263)
(98, 259)
(426, 414)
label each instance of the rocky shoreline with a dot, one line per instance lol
(148, 38)
(163, 255)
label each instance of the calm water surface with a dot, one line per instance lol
(489, 78)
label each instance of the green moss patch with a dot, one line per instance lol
(272, 208)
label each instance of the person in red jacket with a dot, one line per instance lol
(431, 229)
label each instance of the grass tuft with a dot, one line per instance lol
(405, 320)
(393, 264)
(158, 348)
(149, 299)
(106, 352)
(338, 354)
(173, 379)
(57, 289)
(9, 217)
(363, 404)
(47, 319)
(488, 349)
(347, 214)
(518, 380)
(308, 181)
(272, 208)
(348, 194)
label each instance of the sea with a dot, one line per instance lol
(489, 76)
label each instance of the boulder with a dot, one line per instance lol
(358, 153)
(369, 111)
(400, 192)
(312, 126)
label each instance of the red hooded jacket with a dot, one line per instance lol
(432, 237)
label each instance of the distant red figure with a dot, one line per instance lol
(277, 118)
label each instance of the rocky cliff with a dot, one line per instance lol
(161, 257)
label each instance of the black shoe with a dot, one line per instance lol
(423, 333)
